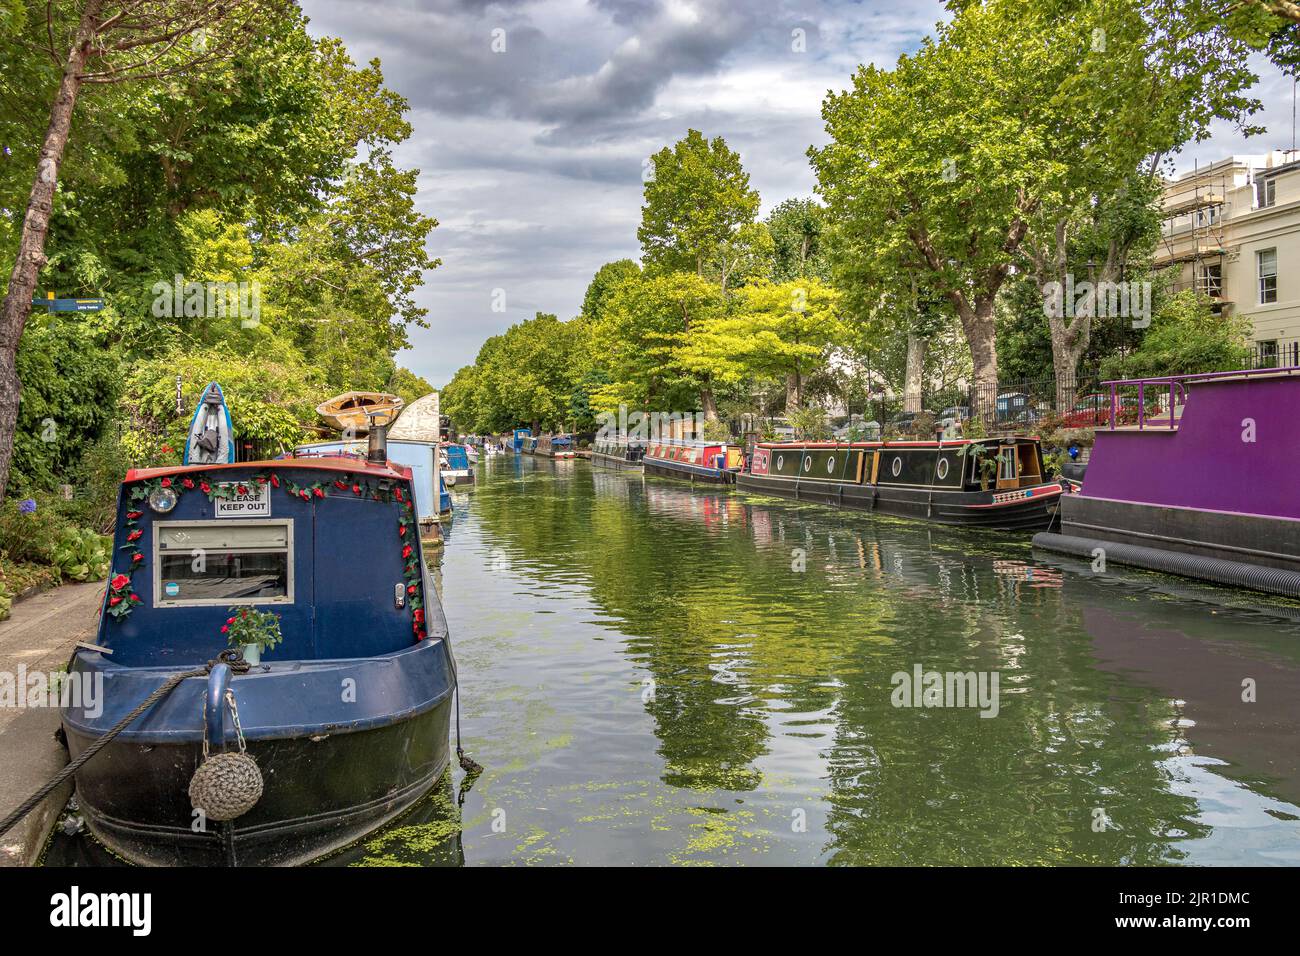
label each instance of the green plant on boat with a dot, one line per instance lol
(248, 625)
(986, 461)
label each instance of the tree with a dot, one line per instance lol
(697, 197)
(107, 42)
(797, 227)
(940, 167)
(602, 286)
(1185, 337)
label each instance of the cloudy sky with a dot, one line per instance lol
(531, 155)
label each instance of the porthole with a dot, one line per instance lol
(943, 468)
(830, 465)
(896, 468)
(780, 462)
(807, 463)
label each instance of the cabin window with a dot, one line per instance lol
(807, 463)
(222, 562)
(830, 465)
(896, 468)
(942, 470)
(1267, 259)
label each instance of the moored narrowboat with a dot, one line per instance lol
(1194, 475)
(617, 452)
(992, 483)
(345, 718)
(456, 469)
(553, 446)
(715, 462)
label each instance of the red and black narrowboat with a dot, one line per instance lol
(990, 483)
(715, 462)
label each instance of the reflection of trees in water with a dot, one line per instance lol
(700, 582)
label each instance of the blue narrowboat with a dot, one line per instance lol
(521, 438)
(346, 719)
(456, 469)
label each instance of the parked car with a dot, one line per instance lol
(1011, 404)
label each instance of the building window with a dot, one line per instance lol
(1267, 259)
(1266, 354)
(1211, 281)
(1265, 192)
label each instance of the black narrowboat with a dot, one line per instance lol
(989, 483)
(619, 452)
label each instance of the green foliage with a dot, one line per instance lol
(69, 393)
(81, 555)
(247, 625)
(810, 422)
(797, 228)
(698, 197)
(269, 401)
(602, 286)
(1185, 337)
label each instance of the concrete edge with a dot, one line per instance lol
(31, 755)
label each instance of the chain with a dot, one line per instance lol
(234, 713)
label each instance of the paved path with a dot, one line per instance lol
(40, 635)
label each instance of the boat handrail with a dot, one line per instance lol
(1178, 382)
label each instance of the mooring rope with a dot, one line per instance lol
(162, 691)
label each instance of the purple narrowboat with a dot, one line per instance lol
(1202, 484)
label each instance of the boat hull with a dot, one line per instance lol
(688, 472)
(323, 792)
(967, 508)
(343, 747)
(615, 461)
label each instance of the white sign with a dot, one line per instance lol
(255, 502)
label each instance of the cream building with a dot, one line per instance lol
(1232, 229)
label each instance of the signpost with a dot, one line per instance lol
(69, 305)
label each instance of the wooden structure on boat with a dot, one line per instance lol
(993, 483)
(715, 462)
(351, 412)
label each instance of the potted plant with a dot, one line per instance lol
(252, 630)
(986, 464)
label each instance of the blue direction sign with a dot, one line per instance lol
(70, 305)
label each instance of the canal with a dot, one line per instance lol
(655, 673)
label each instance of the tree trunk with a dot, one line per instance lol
(977, 323)
(31, 243)
(708, 404)
(793, 391)
(1068, 345)
(915, 374)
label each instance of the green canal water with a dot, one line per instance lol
(655, 673)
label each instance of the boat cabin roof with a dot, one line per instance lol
(388, 469)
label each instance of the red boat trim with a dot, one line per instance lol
(351, 465)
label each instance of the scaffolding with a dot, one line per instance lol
(1200, 242)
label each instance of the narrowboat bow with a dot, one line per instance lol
(991, 483)
(347, 718)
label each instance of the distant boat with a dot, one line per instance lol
(211, 439)
(351, 410)
(456, 469)
(552, 446)
(617, 452)
(988, 483)
(715, 462)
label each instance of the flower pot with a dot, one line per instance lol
(253, 653)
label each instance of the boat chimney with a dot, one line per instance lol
(377, 444)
